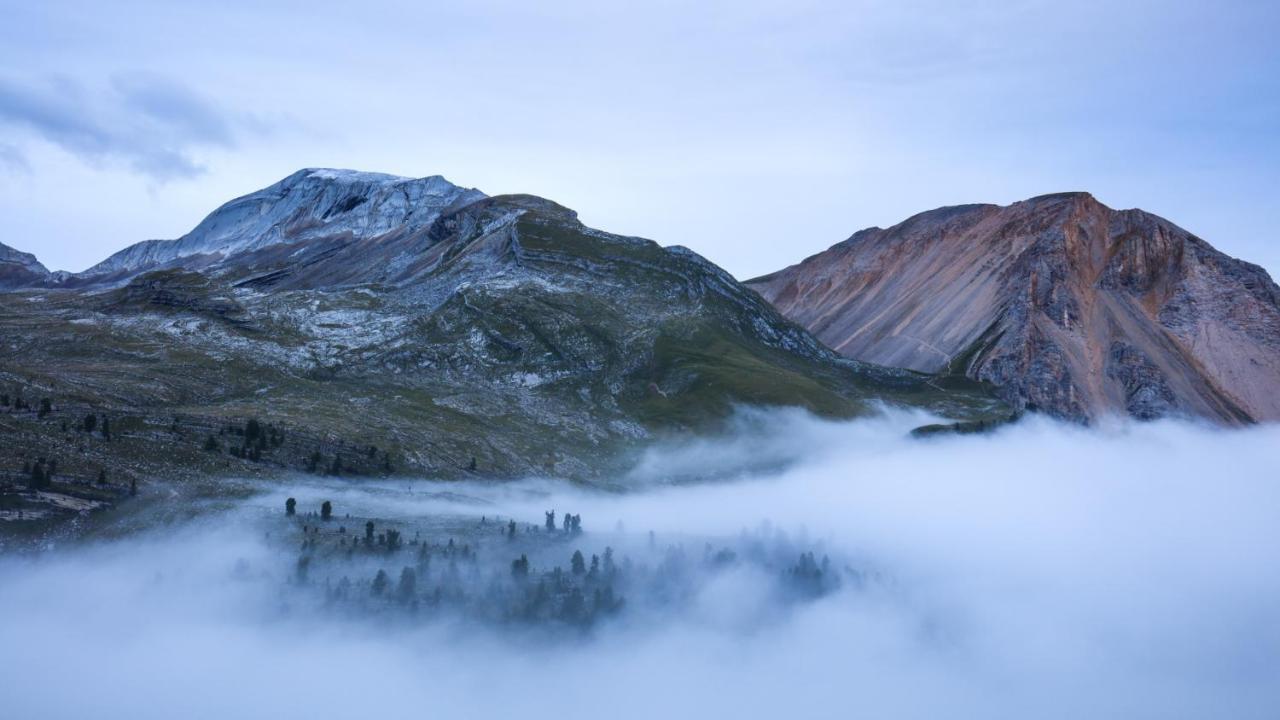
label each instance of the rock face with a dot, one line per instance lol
(19, 269)
(1066, 305)
(308, 205)
(382, 321)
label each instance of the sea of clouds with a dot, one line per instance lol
(1043, 571)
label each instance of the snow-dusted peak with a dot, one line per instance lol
(17, 258)
(342, 175)
(311, 203)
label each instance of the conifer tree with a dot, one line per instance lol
(37, 479)
(408, 584)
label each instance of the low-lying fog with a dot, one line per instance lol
(1041, 572)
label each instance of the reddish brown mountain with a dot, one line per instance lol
(1067, 306)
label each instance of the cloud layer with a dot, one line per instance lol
(1044, 571)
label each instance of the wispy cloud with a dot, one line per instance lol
(150, 124)
(11, 158)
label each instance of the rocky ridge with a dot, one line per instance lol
(1064, 304)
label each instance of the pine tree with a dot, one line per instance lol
(326, 510)
(37, 479)
(290, 507)
(520, 567)
(253, 430)
(578, 563)
(408, 584)
(90, 422)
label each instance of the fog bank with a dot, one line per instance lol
(1042, 571)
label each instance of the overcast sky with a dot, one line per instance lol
(756, 133)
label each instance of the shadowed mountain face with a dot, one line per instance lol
(18, 268)
(392, 325)
(1064, 304)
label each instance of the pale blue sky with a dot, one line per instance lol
(754, 132)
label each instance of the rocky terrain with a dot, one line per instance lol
(18, 269)
(357, 324)
(1064, 304)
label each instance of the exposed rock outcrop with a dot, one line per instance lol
(1066, 305)
(310, 204)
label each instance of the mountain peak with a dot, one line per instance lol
(345, 175)
(1066, 305)
(311, 204)
(1069, 196)
(18, 268)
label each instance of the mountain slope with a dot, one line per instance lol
(501, 338)
(1066, 305)
(19, 269)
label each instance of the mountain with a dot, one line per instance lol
(18, 269)
(1064, 304)
(309, 205)
(370, 325)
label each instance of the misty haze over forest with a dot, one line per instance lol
(1045, 570)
